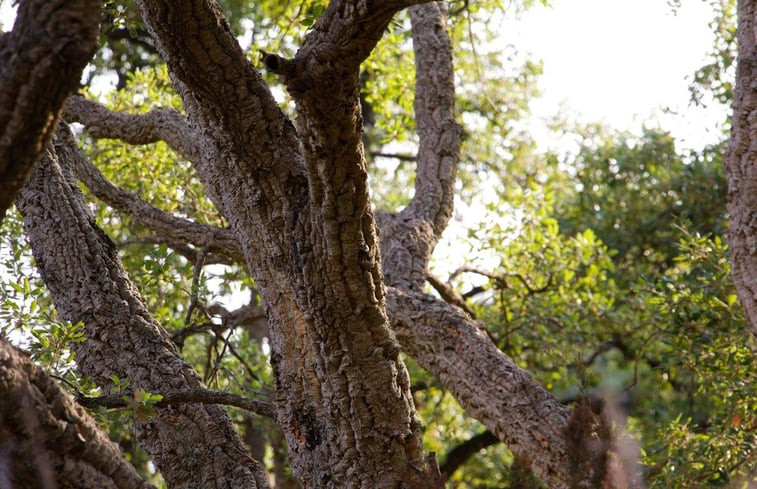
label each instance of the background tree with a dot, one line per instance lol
(195, 178)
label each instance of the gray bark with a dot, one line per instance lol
(194, 445)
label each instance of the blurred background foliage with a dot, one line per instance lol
(603, 270)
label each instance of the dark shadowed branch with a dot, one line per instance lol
(47, 440)
(41, 61)
(199, 396)
(465, 450)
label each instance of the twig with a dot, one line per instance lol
(199, 396)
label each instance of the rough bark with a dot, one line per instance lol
(490, 387)
(741, 165)
(47, 440)
(41, 61)
(409, 237)
(193, 445)
(304, 222)
(281, 232)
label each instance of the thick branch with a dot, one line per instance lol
(210, 238)
(486, 383)
(741, 165)
(47, 440)
(79, 265)
(409, 238)
(41, 61)
(199, 396)
(218, 84)
(439, 133)
(167, 125)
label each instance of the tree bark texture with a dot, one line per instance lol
(337, 299)
(741, 165)
(193, 445)
(303, 219)
(41, 61)
(47, 440)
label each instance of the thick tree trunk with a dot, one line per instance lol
(193, 445)
(741, 165)
(41, 61)
(48, 441)
(305, 226)
(297, 203)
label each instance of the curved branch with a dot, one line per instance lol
(210, 238)
(167, 125)
(439, 133)
(409, 238)
(47, 439)
(41, 61)
(462, 452)
(486, 383)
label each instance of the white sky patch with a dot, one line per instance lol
(7, 15)
(619, 61)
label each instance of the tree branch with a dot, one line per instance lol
(79, 265)
(409, 238)
(197, 396)
(449, 294)
(439, 133)
(486, 383)
(210, 238)
(47, 440)
(220, 87)
(167, 125)
(41, 61)
(462, 452)
(188, 251)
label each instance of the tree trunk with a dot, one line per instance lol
(741, 166)
(303, 219)
(193, 445)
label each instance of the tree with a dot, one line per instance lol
(342, 292)
(740, 168)
(297, 205)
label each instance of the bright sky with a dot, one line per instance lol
(618, 61)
